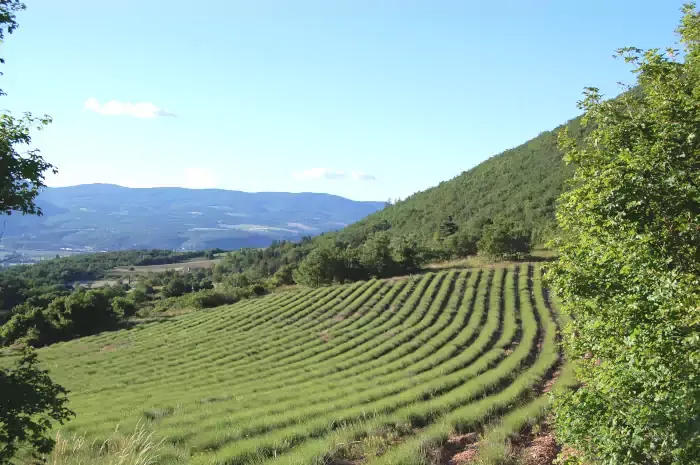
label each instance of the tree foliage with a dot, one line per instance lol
(30, 283)
(80, 313)
(522, 183)
(504, 239)
(463, 244)
(30, 402)
(29, 399)
(323, 266)
(448, 228)
(21, 172)
(629, 267)
(378, 257)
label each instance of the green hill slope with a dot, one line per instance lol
(522, 183)
(287, 377)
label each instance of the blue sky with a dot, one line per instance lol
(364, 99)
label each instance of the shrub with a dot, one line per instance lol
(462, 244)
(504, 240)
(123, 307)
(629, 266)
(175, 288)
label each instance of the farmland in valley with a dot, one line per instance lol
(378, 372)
(181, 266)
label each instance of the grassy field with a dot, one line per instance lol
(377, 372)
(192, 265)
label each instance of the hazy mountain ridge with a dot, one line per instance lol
(110, 217)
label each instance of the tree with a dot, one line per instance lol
(34, 327)
(205, 283)
(175, 288)
(139, 295)
(502, 239)
(463, 244)
(375, 255)
(448, 228)
(146, 287)
(123, 307)
(321, 267)
(237, 280)
(85, 312)
(30, 401)
(629, 266)
(407, 254)
(284, 276)
(21, 173)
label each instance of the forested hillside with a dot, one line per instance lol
(522, 183)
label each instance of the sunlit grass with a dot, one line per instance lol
(378, 371)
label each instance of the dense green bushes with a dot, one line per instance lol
(45, 306)
(207, 298)
(503, 239)
(629, 267)
(55, 312)
(78, 314)
(382, 256)
(378, 257)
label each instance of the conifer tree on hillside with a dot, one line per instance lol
(448, 228)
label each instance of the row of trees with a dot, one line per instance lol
(499, 239)
(379, 251)
(378, 257)
(382, 255)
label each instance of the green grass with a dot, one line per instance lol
(383, 370)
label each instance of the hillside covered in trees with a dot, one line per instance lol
(522, 184)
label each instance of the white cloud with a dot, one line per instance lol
(362, 176)
(115, 107)
(199, 178)
(328, 173)
(319, 173)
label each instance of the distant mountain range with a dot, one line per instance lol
(92, 217)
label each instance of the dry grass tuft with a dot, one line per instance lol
(136, 448)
